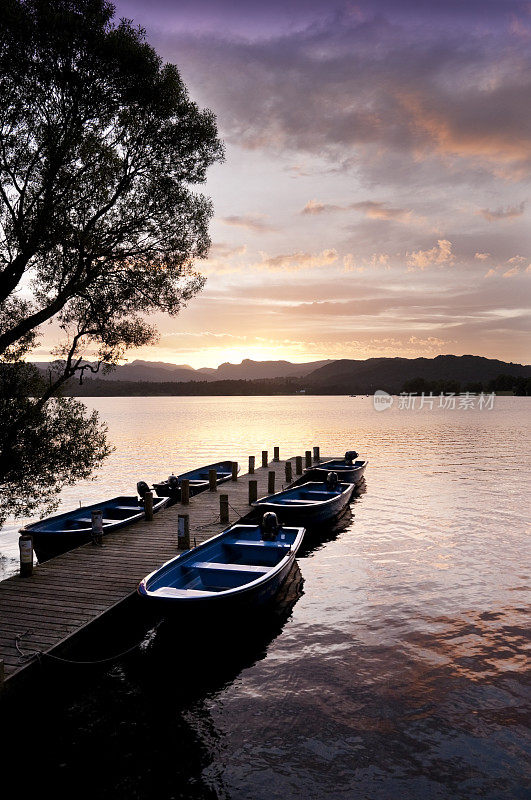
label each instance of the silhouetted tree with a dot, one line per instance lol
(99, 146)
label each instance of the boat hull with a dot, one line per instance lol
(178, 584)
(351, 474)
(198, 481)
(56, 535)
(307, 515)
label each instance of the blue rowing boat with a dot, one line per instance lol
(198, 479)
(62, 532)
(243, 566)
(309, 503)
(348, 468)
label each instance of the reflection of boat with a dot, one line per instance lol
(309, 503)
(244, 565)
(348, 468)
(198, 480)
(237, 640)
(63, 532)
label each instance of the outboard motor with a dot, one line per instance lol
(332, 481)
(173, 482)
(270, 525)
(142, 488)
(350, 456)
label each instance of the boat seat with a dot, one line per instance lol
(261, 544)
(129, 508)
(214, 565)
(166, 591)
(88, 520)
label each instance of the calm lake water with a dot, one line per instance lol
(393, 665)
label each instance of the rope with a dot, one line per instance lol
(27, 654)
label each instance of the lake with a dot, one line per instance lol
(394, 664)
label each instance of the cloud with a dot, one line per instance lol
(516, 267)
(251, 222)
(481, 256)
(510, 212)
(294, 262)
(314, 207)
(439, 255)
(381, 84)
(379, 210)
(371, 208)
(222, 250)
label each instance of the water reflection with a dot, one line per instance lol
(398, 673)
(144, 725)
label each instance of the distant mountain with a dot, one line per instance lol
(160, 371)
(345, 376)
(142, 371)
(257, 370)
(351, 376)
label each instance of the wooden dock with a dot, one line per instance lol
(69, 593)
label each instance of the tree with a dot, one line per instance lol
(100, 145)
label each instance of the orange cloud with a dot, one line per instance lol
(439, 255)
(492, 147)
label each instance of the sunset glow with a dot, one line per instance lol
(374, 197)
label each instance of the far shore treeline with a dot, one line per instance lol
(441, 374)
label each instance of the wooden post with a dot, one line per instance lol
(183, 531)
(212, 480)
(96, 521)
(253, 491)
(223, 508)
(2, 673)
(264, 458)
(185, 491)
(308, 458)
(234, 470)
(271, 483)
(25, 545)
(316, 454)
(148, 506)
(276, 453)
(298, 465)
(289, 472)
(251, 465)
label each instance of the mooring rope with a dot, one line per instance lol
(39, 654)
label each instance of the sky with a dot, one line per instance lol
(374, 199)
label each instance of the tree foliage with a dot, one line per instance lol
(100, 146)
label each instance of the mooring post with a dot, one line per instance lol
(2, 673)
(276, 453)
(271, 482)
(25, 545)
(96, 523)
(223, 508)
(234, 470)
(316, 454)
(183, 531)
(148, 506)
(185, 491)
(253, 491)
(251, 465)
(212, 480)
(308, 457)
(298, 465)
(289, 472)
(264, 458)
